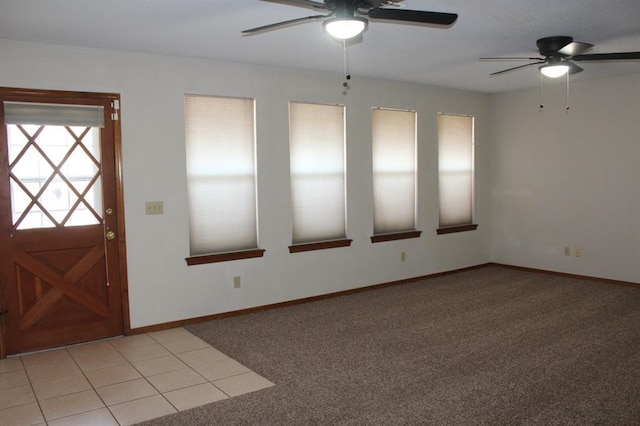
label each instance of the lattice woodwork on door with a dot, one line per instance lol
(55, 176)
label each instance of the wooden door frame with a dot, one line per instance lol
(52, 95)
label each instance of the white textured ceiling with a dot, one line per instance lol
(441, 57)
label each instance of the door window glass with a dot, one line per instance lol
(55, 176)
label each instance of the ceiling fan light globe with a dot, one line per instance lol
(345, 28)
(554, 70)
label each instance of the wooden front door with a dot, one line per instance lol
(60, 219)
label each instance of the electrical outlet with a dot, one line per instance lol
(236, 282)
(567, 251)
(403, 256)
(577, 252)
(153, 207)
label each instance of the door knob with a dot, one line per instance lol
(111, 235)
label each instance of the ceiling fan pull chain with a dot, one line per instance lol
(567, 92)
(541, 94)
(345, 66)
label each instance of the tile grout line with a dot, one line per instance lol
(175, 355)
(90, 384)
(94, 388)
(144, 377)
(165, 344)
(190, 367)
(26, 373)
(195, 371)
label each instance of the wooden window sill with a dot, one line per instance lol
(224, 257)
(452, 229)
(395, 236)
(297, 248)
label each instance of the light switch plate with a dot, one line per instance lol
(153, 207)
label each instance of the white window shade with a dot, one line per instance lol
(53, 114)
(317, 165)
(394, 170)
(455, 165)
(220, 147)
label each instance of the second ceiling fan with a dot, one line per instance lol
(346, 19)
(558, 53)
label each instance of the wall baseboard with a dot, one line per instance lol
(567, 275)
(181, 323)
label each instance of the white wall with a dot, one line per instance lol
(162, 288)
(568, 178)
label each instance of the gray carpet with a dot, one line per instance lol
(486, 346)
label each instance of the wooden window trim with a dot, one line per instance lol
(224, 257)
(395, 236)
(457, 228)
(297, 248)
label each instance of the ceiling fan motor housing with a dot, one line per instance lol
(549, 46)
(353, 4)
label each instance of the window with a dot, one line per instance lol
(221, 178)
(54, 162)
(317, 155)
(394, 174)
(455, 172)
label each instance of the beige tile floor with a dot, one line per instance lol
(119, 381)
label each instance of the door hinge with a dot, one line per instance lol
(115, 106)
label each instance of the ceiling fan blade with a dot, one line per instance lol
(516, 68)
(435, 18)
(512, 58)
(573, 68)
(283, 24)
(574, 48)
(620, 56)
(300, 3)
